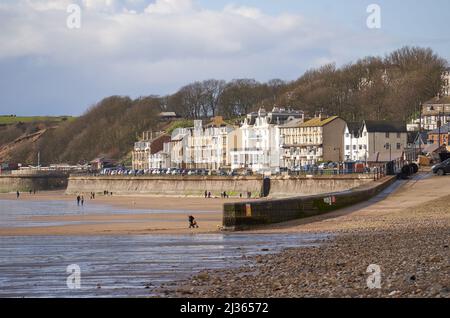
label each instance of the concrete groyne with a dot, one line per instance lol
(246, 215)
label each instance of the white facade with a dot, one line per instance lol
(200, 147)
(161, 159)
(207, 147)
(374, 137)
(355, 144)
(260, 146)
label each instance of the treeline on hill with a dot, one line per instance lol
(389, 87)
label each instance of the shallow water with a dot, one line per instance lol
(17, 213)
(123, 265)
(35, 266)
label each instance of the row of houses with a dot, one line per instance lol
(436, 111)
(271, 141)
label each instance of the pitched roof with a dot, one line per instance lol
(294, 123)
(438, 101)
(318, 122)
(354, 127)
(430, 148)
(385, 126)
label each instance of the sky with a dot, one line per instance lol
(154, 47)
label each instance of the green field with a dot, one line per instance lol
(6, 120)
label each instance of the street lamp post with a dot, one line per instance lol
(339, 160)
(389, 145)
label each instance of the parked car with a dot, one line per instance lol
(441, 168)
(323, 165)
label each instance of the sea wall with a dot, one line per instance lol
(165, 185)
(246, 215)
(196, 185)
(38, 182)
(300, 186)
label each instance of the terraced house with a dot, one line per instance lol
(313, 141)
(260, 140)
(366, 139)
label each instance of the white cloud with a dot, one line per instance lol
(138, 45)
(169, 6)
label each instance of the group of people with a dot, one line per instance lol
(32, 191)
(225, 195)
(106, 192)
(80, 200)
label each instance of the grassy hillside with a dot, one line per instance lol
(106, 129)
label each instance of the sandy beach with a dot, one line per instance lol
(375, 213)
(208, 213)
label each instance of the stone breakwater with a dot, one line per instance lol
(245, 215)
(411, 247)
(196, 185)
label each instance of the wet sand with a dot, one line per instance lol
(208, 213)
(381, 211)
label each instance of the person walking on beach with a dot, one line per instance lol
(18, 194)
(82, 200)
(206, 194)
(78, 200)
(192, 222)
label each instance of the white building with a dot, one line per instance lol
(374, 137)
(354, 147)
(260, 145)
(206, 147)
(436, 111)
(200, 147)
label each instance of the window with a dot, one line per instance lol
(399, 135)
(347, 147)
(354, 147)
(387, 135)
(399, 146)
